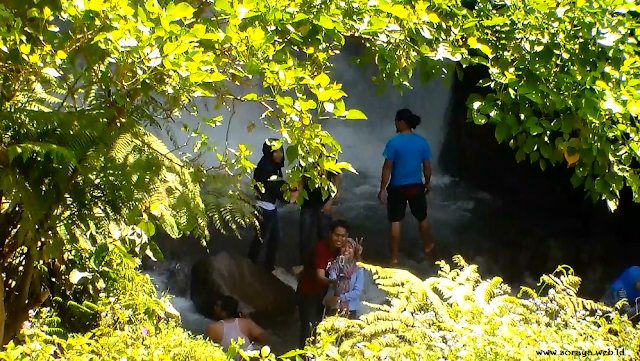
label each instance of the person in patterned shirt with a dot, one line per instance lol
(347, 283)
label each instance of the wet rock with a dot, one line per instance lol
(261, 294)
(286, 277)
(371, 294)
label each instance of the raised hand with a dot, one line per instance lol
(358, 250)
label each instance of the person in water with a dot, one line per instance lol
(343, 297)
(626, 287)
(316, 214)
(313, 281)
(269, 190)
(232, 327)
(407, 159)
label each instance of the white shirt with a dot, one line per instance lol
(266, 205)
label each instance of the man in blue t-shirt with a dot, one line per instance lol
(407, 159)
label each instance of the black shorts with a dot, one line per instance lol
(399, 196)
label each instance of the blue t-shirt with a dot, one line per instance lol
(407, 152)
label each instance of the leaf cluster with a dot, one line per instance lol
(458, 315)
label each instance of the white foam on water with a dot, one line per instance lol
(190, 318)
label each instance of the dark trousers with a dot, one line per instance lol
(310, 310)
(314, 226)
(270, 229)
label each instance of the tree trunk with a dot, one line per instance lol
(13, 327)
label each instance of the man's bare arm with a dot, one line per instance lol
(386, 173)
(257, 334)
(426, 170)
(322, 277)
(337, 181)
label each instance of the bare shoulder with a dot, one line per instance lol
(214, 331)
(248, 326)
(247, 322)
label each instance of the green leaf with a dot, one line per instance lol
(154, 252)
(576, 180)
(322, 80)
(339, 110)
(96, 5)
(224, 5)
(536, 129)
(485, 49)
(151, 6)
(325, 22)
(214, 121)
(182, 10)
(216, 77)
(478, 118)
(433, 17)
(99, 256)
(503, 131)
(534, 157)
(472, 42)
(398, 10)
(545, 149)
(601, 185)
(148, 228)
(347, 166)
(355, 114)
(535, 97)
(292, 153)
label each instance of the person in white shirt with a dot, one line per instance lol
(232, 327)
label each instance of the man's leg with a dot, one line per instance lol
(273, 240)
(304, 313)
(394, 241)
(307, 223)
(318, 312)
(396, 206)
(418, 206)
(260, 235)
(425, 228)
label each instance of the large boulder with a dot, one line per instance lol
(263, 296)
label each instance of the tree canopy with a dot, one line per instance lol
(83, 83)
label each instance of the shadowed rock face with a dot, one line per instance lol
(261, 294)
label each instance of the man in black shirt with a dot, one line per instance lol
(268, 174)
(316, 215)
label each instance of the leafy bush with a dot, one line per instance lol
(128, 321)
(459, 316)
(166, 341)
(455, 316)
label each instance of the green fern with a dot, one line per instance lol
(457, 315)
